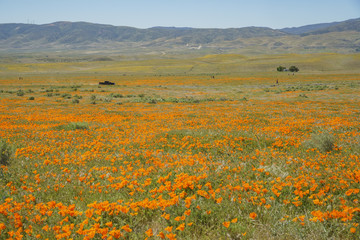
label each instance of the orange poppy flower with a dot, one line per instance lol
(252, 215)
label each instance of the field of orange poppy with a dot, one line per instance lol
(180, 157)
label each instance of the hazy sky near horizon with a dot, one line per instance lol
(181, 13)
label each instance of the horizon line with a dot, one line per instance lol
(108, 24)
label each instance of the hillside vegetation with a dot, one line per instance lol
(66, 36)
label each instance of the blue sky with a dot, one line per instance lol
(181, 13)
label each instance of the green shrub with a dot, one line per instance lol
(116, 95)
(78, 125)
(66, 96)
(303, 95)
(6, 152)
(74, 126)
(152, 101)
(31, 98)
(322, 140)
(77, 96)
(280, 68)
(20, 93)
(293, 69)
(107, 99)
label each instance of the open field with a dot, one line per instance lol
(68, 65)
(207, 147)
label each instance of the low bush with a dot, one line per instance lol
(74, 126)
(6, 152)
(322, 140)
(20, 93)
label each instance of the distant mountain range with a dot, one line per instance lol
(64, 36)
(349, 25)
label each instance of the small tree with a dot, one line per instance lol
(293, 69)
(281, 68)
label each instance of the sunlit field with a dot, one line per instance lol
(180, 156)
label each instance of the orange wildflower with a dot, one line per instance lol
(226, 224)
(109, 224)
(187, 212)
(126, 228)
(181, 227)
(166, 216)
(2, 227)
(171, 236)
(149, 232)
(161, 235)
(252, 215)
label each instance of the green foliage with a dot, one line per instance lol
(31, 98)
(107, 99)
(74, 126)
(77, 97)
(75, 87)
(6, 152)
(93, 99)
(293, 69)
(66, 95)
(152, 101)
(322, 140)
(20, 93)
(116, 95)
(280, 68)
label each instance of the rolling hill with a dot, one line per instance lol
(308, 28)
(68, 36)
